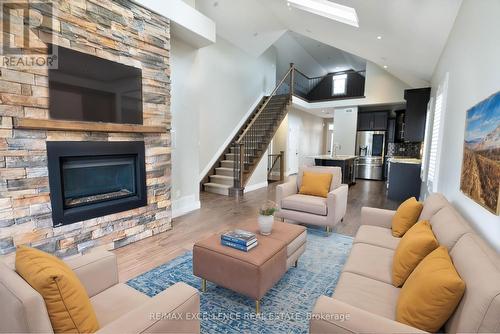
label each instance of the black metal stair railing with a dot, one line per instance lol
(250, 146)
(303, 84)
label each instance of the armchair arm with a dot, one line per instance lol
(333, 316)
(97, 271)
(285, 190)
(337, 203)
(175, 310)
(377, 217)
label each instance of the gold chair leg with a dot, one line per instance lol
(328, 229)
(203, 285)
(257, 306)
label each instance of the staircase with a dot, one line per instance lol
(231, 172)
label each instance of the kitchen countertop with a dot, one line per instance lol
(337, 157)
(406, 161)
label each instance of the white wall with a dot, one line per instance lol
(185, 123)
(345, 121)
(288, 50)
(471, 57)
(213, 88)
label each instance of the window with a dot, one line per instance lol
(437, 137)
(339, 84)
(329, 9)
(427, 138)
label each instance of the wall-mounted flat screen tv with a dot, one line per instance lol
(88, 88)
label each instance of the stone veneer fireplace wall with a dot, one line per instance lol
(120, 31)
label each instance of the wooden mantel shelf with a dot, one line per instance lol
(50, 124)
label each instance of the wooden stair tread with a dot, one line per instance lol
(217, 185)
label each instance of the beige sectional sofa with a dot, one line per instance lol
(365, 300)
(119, 308)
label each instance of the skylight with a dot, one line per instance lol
(328, 9)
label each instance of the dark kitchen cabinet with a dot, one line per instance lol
(391, 130)
(368, 121)
(379, 121)
(416, 113)
(364, 121)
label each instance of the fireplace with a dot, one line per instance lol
(93, 179)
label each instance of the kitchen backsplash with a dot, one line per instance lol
(411, 150)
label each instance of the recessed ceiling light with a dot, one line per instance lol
(379, 37)
(329, 10)
(385, 66)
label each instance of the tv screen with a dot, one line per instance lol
(93, 89)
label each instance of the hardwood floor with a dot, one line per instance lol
(219, 213)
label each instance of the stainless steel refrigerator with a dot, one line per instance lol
(370, 149)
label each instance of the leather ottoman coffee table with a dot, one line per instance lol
(250, 273)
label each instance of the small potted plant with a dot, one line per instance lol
(266, 217)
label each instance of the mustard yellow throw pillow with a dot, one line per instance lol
(415, 245)
(406, 216)
(316, 184)
(431, 293)
(65, 297)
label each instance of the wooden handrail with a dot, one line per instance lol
(265, 104)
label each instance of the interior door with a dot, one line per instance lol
(293, 149)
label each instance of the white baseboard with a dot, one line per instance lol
(256, 186)
(184, 205)
(229, 138)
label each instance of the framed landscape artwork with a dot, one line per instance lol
(480, 179)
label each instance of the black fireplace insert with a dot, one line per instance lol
(94, 179)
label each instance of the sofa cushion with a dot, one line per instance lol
(66, 299)
(479, 266)
(114, 302)
(370, 261)
(432, 204)
(316, 184)
(305, 203)
(377, 236)
(415, 245)
(406, 216)
(448, 226)
(367, 294)
(431, 293)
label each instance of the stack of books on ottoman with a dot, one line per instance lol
(239, 239)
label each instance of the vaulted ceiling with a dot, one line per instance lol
(413, 33)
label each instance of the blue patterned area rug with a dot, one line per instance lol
(285, 308)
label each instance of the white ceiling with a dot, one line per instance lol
(413, 32)
(329, 57)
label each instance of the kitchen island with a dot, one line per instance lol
(345, 162)
(403, 180)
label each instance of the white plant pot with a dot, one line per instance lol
(266, 224)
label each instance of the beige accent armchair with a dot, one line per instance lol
(313, 210)
(119, 308)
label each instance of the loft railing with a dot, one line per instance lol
(251, 143)
(320, 88)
